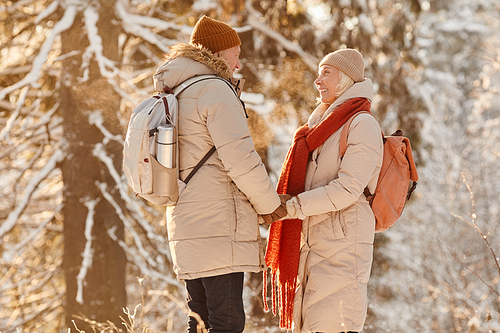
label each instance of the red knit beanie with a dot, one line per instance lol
(214, 35)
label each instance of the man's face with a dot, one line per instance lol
(232, 56)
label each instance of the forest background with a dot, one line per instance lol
(77, 245)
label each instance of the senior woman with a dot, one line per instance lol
(321, 255)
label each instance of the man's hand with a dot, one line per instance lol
(284, 198)
(280, 212)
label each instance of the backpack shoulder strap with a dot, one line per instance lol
(179, 89)
(200, 163)
(197, 78)
(343, 134)
(183, 86)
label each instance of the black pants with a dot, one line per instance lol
(218, 300)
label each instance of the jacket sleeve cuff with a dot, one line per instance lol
(316, 202)
(269, 205)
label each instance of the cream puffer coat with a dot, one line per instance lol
(213, 229)
(338, 231)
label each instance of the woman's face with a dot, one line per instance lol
(327, 83)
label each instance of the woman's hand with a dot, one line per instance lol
(294, 209)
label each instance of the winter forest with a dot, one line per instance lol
(79, 252)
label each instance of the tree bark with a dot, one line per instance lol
(104, 294)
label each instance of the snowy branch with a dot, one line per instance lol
(29, 165)
(134, 24)
(95, 118)
(467, 267)
(32, 77)
(123, 94)
(473, 224)
(48, 117)
(87, 252)
(254, 21)
(95, 47)
(126, 223)
(4, 134)
(140, 264)
(30, 188)
(47, 12)
(37, 230)
(100, 153)
(149, 21)
(15, 148)
(106, 66)
(55, 302)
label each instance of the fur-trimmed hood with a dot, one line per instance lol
(185, 61)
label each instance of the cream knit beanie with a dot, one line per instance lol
(348, 61)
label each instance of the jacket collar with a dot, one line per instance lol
(185, 61)
(202, 55)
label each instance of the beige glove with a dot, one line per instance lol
(294, 210)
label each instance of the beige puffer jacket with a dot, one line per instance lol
(338, 232)
(213, 228)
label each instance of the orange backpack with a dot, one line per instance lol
(396, 182)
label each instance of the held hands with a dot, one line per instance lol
(294, 209)
(289, 209)
(279, 212)
(284, 198)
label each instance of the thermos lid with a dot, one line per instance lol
(166, 133)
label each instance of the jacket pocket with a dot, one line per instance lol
(338, 225)
(246, 226)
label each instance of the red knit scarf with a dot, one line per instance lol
(283, 248)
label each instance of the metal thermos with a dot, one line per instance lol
(166, 145)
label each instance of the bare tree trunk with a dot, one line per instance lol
(103, 287)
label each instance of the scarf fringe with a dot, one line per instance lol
(283, 294)
(274, 284)
(264, 290)
(273, 291)
(286, 297)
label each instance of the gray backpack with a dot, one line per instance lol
(152, 121)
